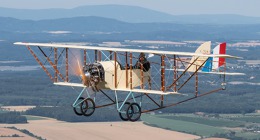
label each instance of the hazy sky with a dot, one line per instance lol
(175, 7)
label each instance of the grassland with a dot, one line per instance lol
(59, 130)
(30, 118)
(216, 122)
(232, 126)
(182, 126)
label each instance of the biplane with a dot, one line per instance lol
(131, 73)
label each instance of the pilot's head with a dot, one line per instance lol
(142, 57)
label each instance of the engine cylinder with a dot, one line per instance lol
(94, 73)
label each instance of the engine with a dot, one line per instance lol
(93, 74)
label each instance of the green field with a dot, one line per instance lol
(248, 135)
(181, 126)
(252, 119)
(29, 117)
(209, 121)
(232, 126)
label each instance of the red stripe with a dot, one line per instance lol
(222, 50)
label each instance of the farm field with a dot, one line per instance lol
(16, 108)
(209, 125)
(6, 134)
(52, 129)
(176, 126)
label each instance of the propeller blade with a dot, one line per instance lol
(84, 78)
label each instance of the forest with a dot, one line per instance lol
(12, 117)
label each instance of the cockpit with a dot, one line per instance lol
(142, 61)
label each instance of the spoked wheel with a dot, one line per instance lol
(133, 112)
(88, 107)
(122, 113)
(77, 109)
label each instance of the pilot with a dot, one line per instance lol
(142, 61)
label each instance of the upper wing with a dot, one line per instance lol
(123, 49)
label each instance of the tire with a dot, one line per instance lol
(77, 109)
(133, 112)
(88, 107)
(123, 115)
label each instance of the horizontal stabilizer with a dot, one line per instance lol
(215, 72)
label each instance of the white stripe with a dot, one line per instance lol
(215, 63)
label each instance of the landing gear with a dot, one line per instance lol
(130, 112)
(87, 107)
(133, 112)
(123, 111)
(77, 108)
(127, 111)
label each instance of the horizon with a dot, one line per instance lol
(173, 7)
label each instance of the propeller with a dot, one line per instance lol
(82, 75)
(86, 80)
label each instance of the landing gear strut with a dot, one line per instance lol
(122, 113)
(77, 108)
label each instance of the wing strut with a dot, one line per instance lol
(162, 77)
(40, 63)
(182, 73)
(192, 74)
(67, 65)
(115, 73)
(53, 65)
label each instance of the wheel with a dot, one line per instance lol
(77, 109)
(88, 107)
(122, 113)
(133, 112)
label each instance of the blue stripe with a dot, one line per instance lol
(208, 65)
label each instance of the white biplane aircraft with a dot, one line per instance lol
(129, 70)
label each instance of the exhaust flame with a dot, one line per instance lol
(79, 69)
(81, 73)
(75, 63)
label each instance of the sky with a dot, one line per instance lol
(174, 7)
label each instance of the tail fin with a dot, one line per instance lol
(213, 64)
(218, 62)
(203, 49)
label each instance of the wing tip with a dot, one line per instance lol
(19, 43)
(236, 57)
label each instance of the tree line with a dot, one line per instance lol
(12, 118)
